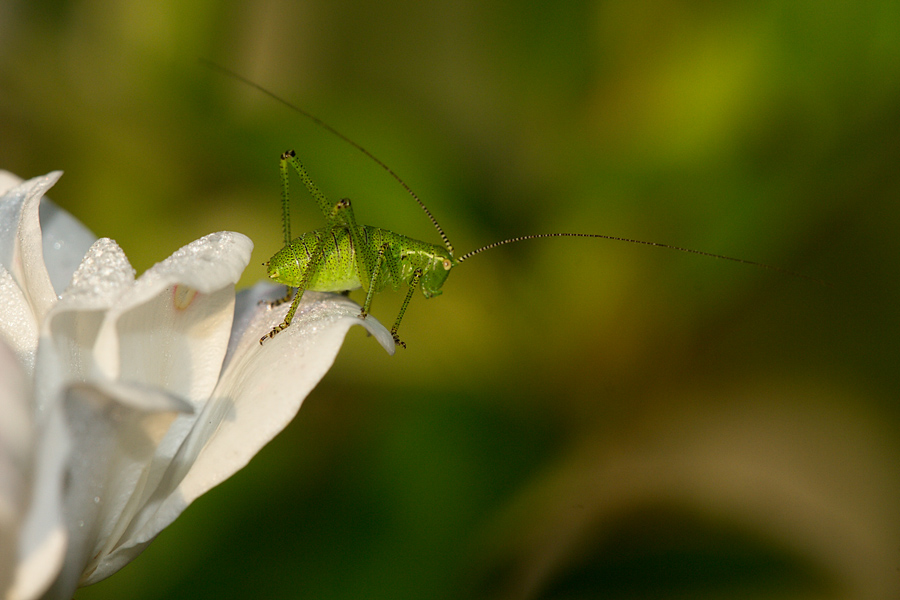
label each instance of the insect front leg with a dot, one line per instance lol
(413, 284)
(369, 262)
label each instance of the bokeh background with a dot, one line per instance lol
(573, 418)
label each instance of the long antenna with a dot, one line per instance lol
(337, 133)
(631, 241)
(228, 72)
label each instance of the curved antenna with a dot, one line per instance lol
(630, 241)
(337, 133)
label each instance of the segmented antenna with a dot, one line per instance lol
(657, 244)
(337, 133)
(440, 231)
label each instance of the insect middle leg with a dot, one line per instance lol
(386, 258)
(368, 259)
(373, 280)
(279, 301)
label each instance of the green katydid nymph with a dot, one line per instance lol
(344, 256)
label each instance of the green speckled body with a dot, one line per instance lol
(344, 256)
(340, 270)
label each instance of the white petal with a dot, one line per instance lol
(263, 386)
(64, 239)
(260, 392)
(103, 275)
(20, 242)
(73, 324)
(169, 331)
(171, 328)
(65, 242)
(115, 431)
(16, 458)
(18, 327)
(43, 537)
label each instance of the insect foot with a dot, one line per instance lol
(275, 331)
(397, 341)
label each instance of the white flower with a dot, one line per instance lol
(123, 400)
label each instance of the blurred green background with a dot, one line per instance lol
(573, 418)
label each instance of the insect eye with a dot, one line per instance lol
(447, 264)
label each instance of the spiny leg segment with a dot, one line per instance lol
(413, 284)
(332, 220)
(376, 272)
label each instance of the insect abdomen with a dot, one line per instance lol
(338, 270)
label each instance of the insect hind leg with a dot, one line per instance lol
(311, 268)
(287, 319)
(290, 157)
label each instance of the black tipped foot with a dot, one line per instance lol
(275, 331)
(397, 341)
